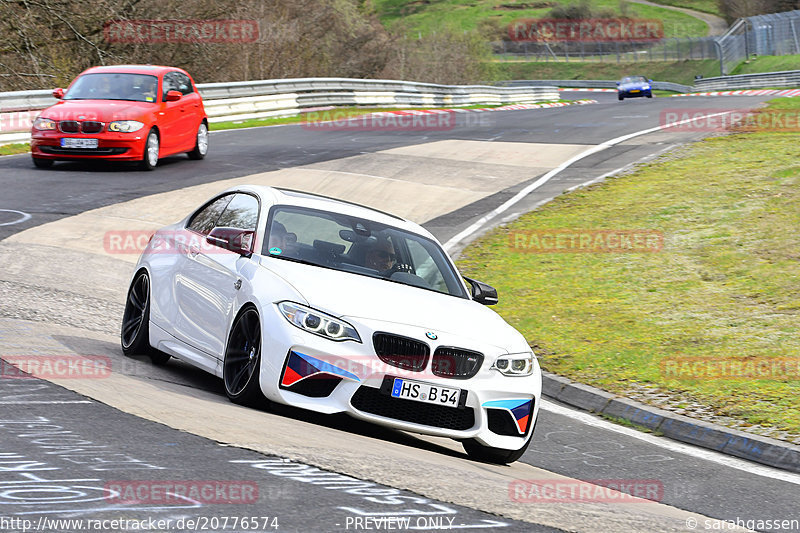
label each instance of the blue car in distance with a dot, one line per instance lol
(633, 87)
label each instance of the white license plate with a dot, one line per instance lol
(425, 392)
(78, 143)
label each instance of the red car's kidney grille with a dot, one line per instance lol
(69, 126)
(92, 126)
(73, 126)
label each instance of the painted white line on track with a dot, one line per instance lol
(449, 245)
(623, 168)
(23, 217)
(673, 446)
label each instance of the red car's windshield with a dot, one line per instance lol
(114, 86)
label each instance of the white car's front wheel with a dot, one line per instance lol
(135, 332)
(242, 363)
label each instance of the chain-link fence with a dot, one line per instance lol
(776, 34)
(611, 52)
(773, 35)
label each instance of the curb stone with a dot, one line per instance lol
(764, 450)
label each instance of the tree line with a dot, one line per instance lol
(46, 43)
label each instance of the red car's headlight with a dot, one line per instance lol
(125, 126)
(44, 124)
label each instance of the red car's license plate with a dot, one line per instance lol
(71, 142)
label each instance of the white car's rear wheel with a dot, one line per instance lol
(240, 369)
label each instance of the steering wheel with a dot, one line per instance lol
(397, 267)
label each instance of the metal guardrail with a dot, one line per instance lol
(790, 78)
(274, 98)
(597, 84)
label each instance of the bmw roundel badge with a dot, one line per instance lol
(431, 335)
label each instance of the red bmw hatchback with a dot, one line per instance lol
(123, 113)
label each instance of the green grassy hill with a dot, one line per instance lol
(423, 17)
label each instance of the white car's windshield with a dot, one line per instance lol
(359, 246)
(114, 86)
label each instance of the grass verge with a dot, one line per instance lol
(16, 148)
(768, 64)
(423, 18)
(705, 6)
(723, 287)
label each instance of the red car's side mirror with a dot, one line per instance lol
(58, 93)
(173, 96)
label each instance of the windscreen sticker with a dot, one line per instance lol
(275, 250)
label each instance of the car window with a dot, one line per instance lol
(184, 83)
(240, 213)
(170, 84)
(177, 81)
(425, 265)
(206, 218)
(114, 86)
(359, 246)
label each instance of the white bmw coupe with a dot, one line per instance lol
(322, 304)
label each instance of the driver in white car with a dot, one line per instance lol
(381, 255)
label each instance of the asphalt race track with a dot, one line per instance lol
(64, 443)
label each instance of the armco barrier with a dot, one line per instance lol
(595, 84)
(273, 98)
(789, 78)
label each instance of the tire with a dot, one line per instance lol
(242, 363)
(201, 143)
(620, 97)
(151, 147)
(649, 95)
(135, 330)
(39, 162)
(499, 456)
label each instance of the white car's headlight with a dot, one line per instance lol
(515, 364)
(44, 124)
(318, 323)
(125, 126)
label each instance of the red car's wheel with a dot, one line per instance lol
(39, 162)
(201, 144)
(151, 147)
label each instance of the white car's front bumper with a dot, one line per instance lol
(332, 377)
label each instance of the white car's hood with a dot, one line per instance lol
(350, 295)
